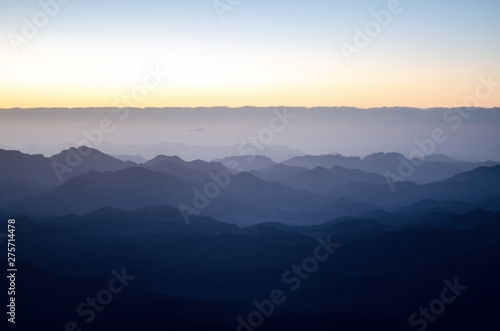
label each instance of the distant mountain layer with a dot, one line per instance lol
(304, 190)
(318, 180)
(137, 187)
(431, 169)
(475, 185)
(189, 153)
(247, 162)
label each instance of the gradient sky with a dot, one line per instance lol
(264, 53)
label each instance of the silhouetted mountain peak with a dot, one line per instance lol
(83, 152)
(248, 162)
(165, 158)
(198, 165)
(5, 153)
(320, 170)
(325, 161)
(485, 176)
(282, 169)
(381, 156)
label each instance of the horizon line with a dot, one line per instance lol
(248, 106)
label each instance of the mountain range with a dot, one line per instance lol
(258, 226)
(301, 190)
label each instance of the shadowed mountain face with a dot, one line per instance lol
(130, 188)
(248, 162)
(324, 161)
(469, 187)
(82, 160)
(345, 247)
(194, 171)
(279, 192)
(319, 180)
(382, 271)
(16, 167)
(433, 168)
(198, 165)
(133, 158)
(24, 175)
(137, 187)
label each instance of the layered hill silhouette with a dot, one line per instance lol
(302, 190)
(137, 187)
(248, 162)
(319, 180)
(471, 186)
(256, 229)
(130, 188)
(194, 171)
(432, 168)
(380, 272)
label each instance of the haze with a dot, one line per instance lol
(312, 131)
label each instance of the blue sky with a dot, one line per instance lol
(263, 53)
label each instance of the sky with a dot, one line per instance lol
(260, 53)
